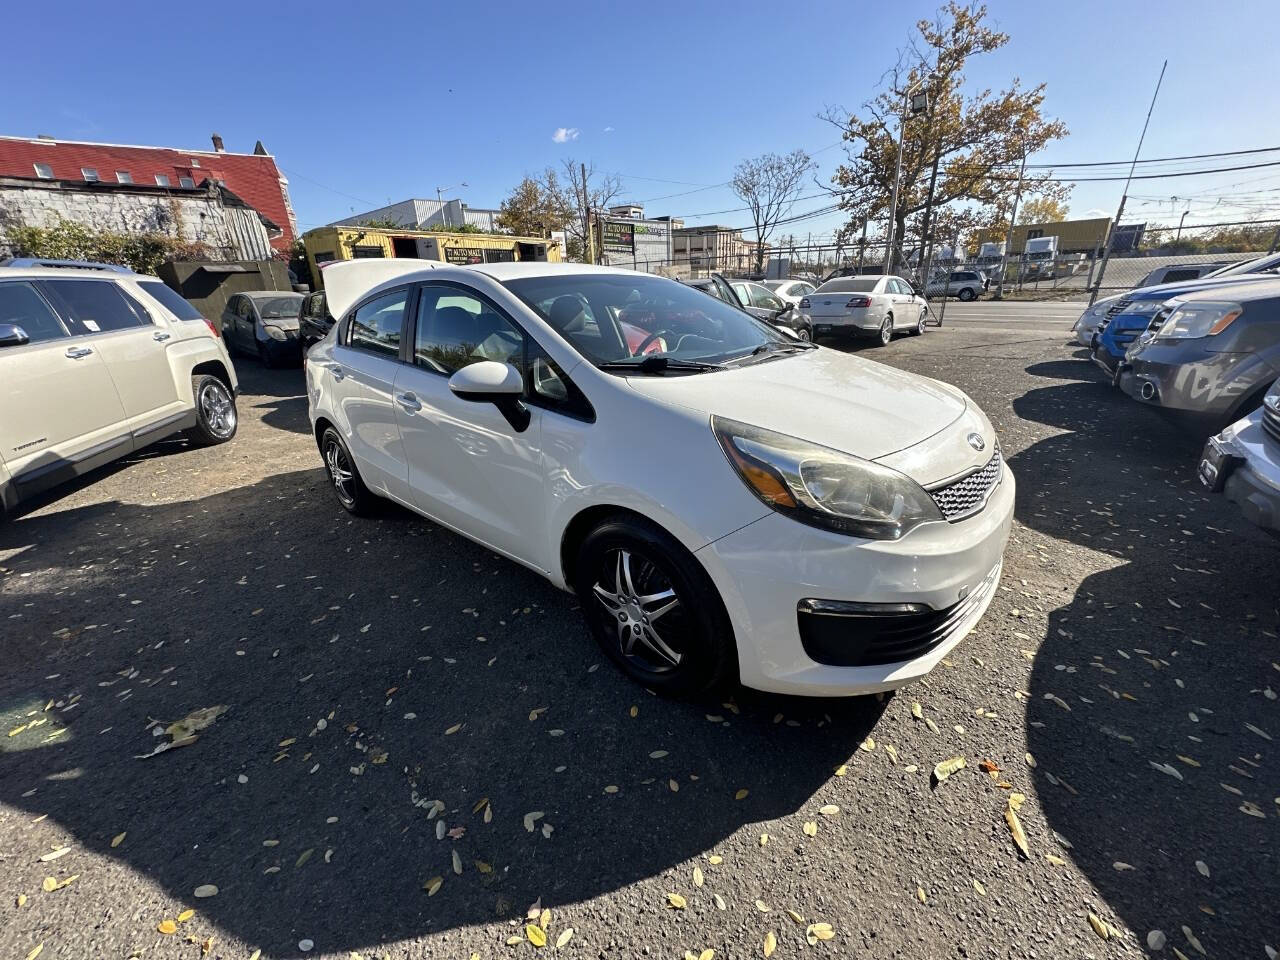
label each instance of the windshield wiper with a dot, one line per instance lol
(656, 363)
(776, 350)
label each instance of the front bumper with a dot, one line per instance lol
(1247, 471)
(282, 351)
(765, 570)
(1184, 379)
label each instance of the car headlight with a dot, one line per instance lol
(274, 332)
(1201, 318)
(1144, 308)
(824, 487)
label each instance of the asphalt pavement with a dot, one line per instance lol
(420, 741)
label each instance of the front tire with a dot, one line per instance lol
(340, 467)
(216, 417)
(804, 334)
(919, 329)
(653, 609)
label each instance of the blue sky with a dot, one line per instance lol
(364, 104)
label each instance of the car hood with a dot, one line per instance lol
(831, 398)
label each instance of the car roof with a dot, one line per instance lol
(1163, 291)
(519, 269)
(1244, 291)
(14, 273)
(267, 294)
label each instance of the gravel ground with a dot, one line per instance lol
(421, 742)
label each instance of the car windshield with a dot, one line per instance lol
(849, 285)
(613, 317)
(277, 307)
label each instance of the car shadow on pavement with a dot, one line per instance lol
(1150, 674)
(370, 668)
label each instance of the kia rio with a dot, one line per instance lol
(726, 502)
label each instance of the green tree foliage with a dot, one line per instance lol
(971, 143)
(69, 240)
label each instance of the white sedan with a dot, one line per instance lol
(790, 291)
(865, 306)
(734, 506)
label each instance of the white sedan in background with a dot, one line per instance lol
(790, 291)
(865, 306)
(737, 506)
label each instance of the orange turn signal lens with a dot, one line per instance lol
(763, 481)
(1224, 321)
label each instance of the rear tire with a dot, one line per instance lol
(653, 609)
(340, 467)
(216, 417)
(886, 331)
(967, 294)
(804, 334)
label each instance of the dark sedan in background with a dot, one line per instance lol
(1209, 356)
(263, 324)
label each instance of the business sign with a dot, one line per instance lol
(464, 255)
(619, 237)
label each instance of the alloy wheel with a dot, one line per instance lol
(646, 613)
(340, 472)
(886, 331)
(219, 412)
(803, 333)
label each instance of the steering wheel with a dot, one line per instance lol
(648, 340)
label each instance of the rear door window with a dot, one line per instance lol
(22, 306)
(95, 306)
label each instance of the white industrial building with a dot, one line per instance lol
(424, 214)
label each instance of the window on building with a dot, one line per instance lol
(89, 173)
(1034, 234)
(43, 171)
(186, 182)
(161, 180)
(366, 252)
(195, 162)
(124, 176)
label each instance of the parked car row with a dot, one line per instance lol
(1206, 352)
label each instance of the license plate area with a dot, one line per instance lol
(1216, 465)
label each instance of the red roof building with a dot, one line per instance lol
(252, 176)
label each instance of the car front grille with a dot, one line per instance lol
(1271, 421)
(871, 638)
(1117, 307)
(968, 495)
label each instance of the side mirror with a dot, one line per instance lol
(12, 335)
(491, 382)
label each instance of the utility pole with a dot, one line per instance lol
(915, 108)
(1106, 251)
(587, 241)
(1008, 240)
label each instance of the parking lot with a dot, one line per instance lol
(1123, 680)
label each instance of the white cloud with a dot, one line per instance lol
(1094, 213)
(608, 129)
(565, 134)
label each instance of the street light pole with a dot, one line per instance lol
(440, 199)
(897, 174)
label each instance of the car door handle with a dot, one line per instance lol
(75, 353)
(161, 337)
(408, 401)
(337, 371)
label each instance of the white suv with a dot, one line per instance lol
(96, 362)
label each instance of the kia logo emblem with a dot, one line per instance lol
(976, 441)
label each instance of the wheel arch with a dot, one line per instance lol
(215, 368)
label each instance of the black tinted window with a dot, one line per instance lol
(376, 325)
(21, 305)
(170, 300)
(96, 306)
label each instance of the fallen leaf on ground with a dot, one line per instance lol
(1099, 927)
(166, 927)
(741, 794)
(697, 876)
(829, 810)
(205, 890)
(810, 828)
(433, 886)
(947, 767)
(1015, 828)
(676, 902)
(819, 931)
(565, 936)
(118, 839)
(186, 915)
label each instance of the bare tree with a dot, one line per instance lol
(769, 186)
(580, 196)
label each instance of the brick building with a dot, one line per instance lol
(253, 177)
